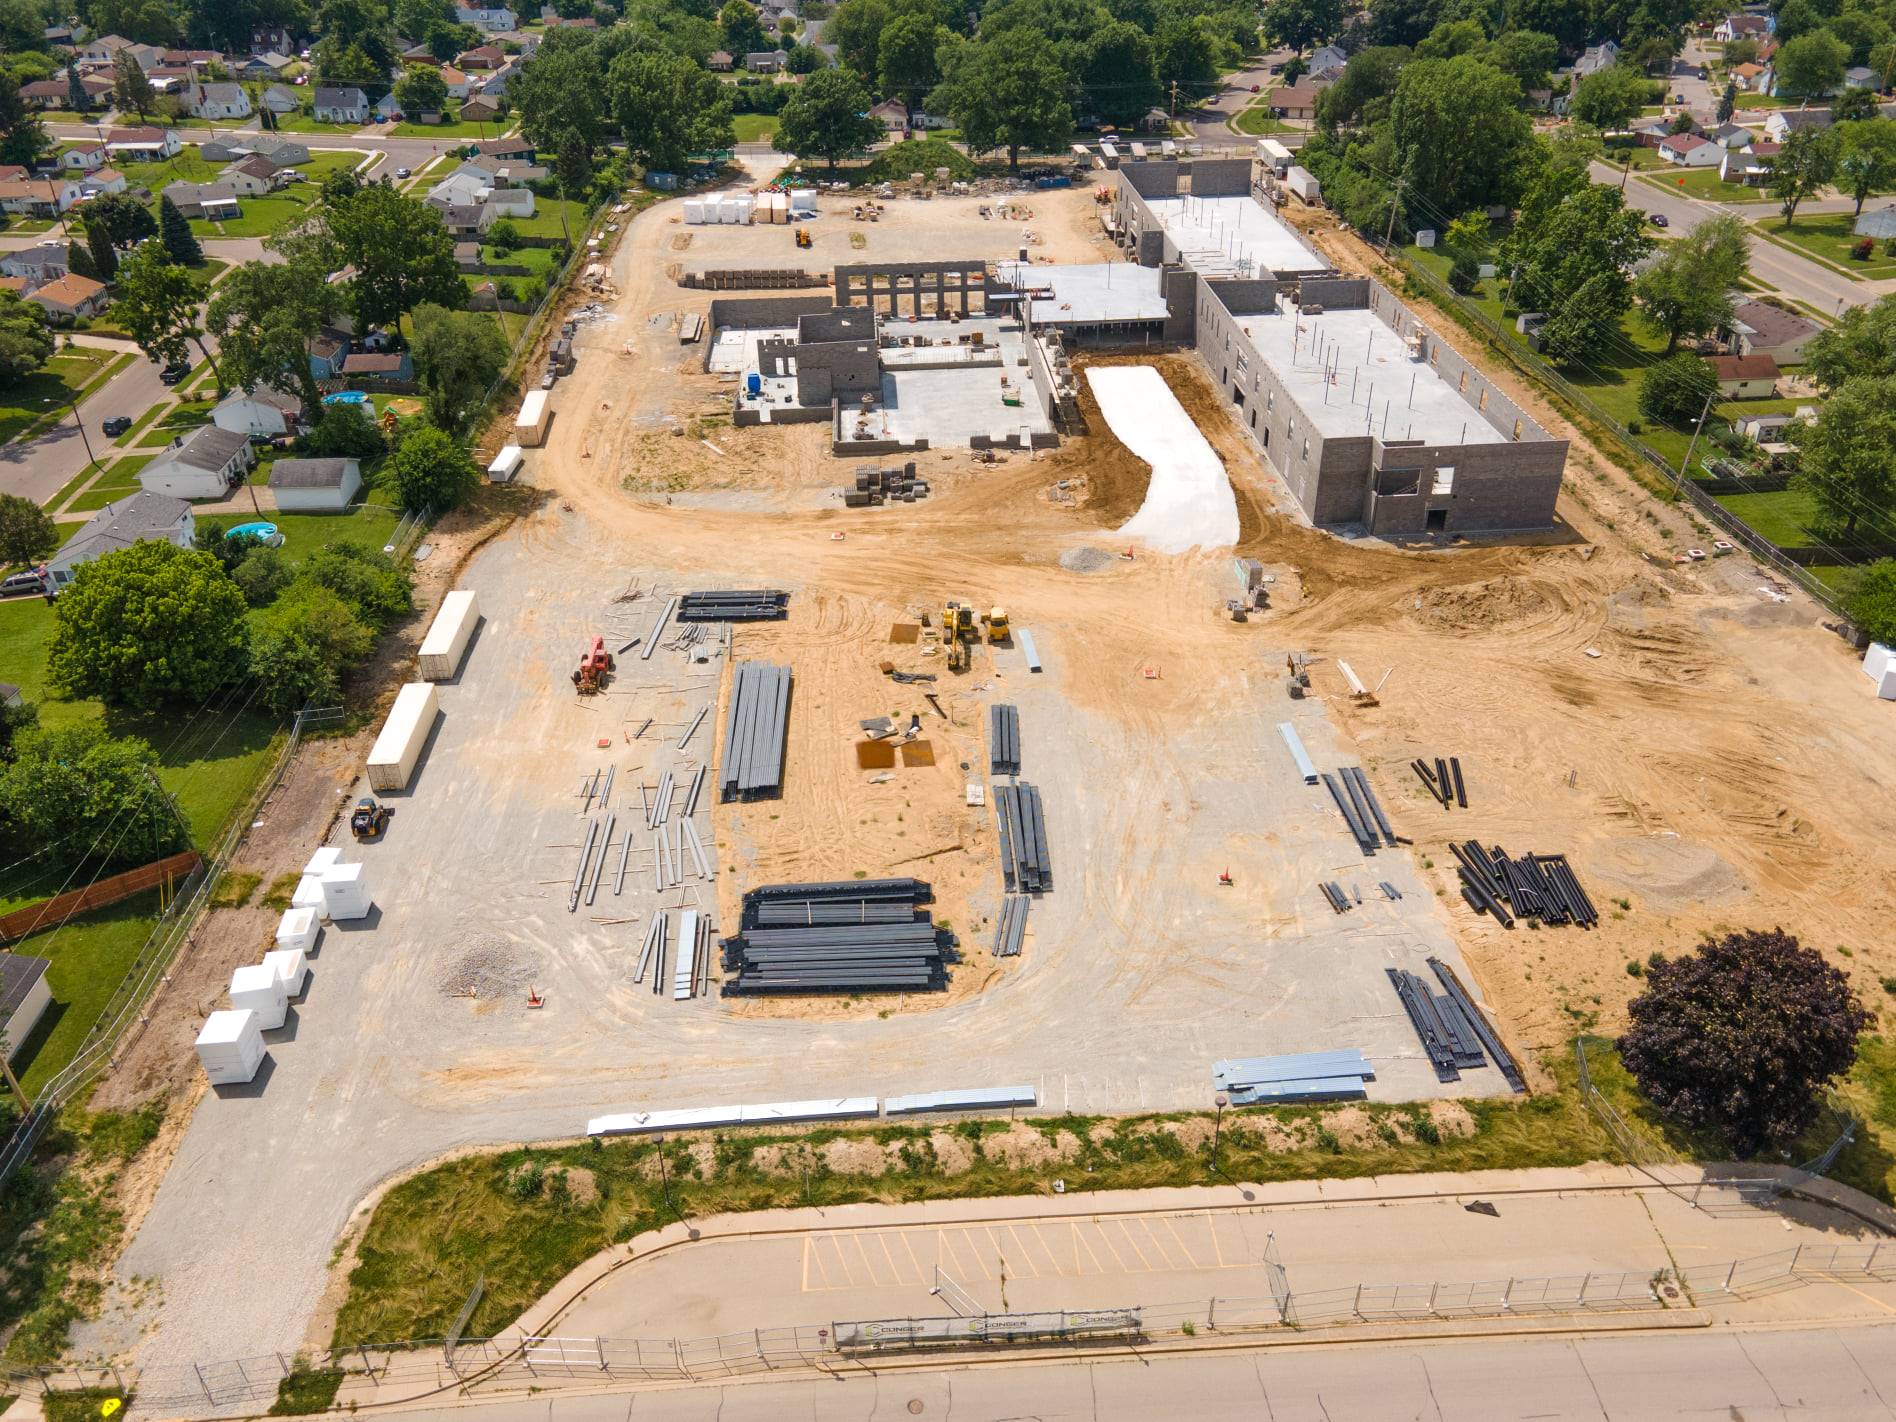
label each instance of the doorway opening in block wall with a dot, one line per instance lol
(1438, 521)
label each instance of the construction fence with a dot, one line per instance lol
(389, 1373)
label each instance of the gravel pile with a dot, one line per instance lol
(1085, 560)
(490, 967)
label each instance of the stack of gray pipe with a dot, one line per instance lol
(754, 729)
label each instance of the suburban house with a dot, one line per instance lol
(252, 177)
(481, 57)
(36, 265)
(205, 464)
(1758, 328)
(1788, 121)
(119, 525)
(1603, 55)
(102, 180)
(326, 351)
(315, 485)
(1732, 135)
(70, 297)
(1746, 377)
(1296, 101)
(1877, 222)
(388, 108)
(516, 147)
(53, 93)
(1327, 63)
(334, 105)
(504, 172)
(214, 202)
(720, 61)
(378, 365)
(25, 994)
(464, 220)
(467, 256)
(264, 67)
(493, 20)
(454, 80)
(1751, 166)
(142, 145)
(263, 411)
(220, 101)
(104, 49)
(473, 186)
(280, 99)
(892, 114)
(1735, 27)
(480, 109)
(766, 61)
(1750, 78)
(38, 197)
(1688, 150)
(281, 152)
(83, 157)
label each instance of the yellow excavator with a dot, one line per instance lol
(960, 630)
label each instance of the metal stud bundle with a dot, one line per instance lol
(1004, 739)
(1026, 864)
(1538, 886)
(741, 605)
(754, 730)
(1453, 1032)
(862, 936)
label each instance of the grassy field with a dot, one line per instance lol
(303, 123)
(545, 221)
(1828, 237)
(1705, 183)
(89, 957)
(1762, 101)
(754, 128)
(303, 533)
(262, 216)
(119, 479)
(43, 395)
(451, 127)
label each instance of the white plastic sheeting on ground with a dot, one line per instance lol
(1189, 503)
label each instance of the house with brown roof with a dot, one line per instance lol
(378, 365)
(1746, 377)
(70, 298)
(720, 61)
(1296, 101)
(1749, 78)
(254, 176)
(481, 57)
(1757, 328)
(480, 109)
(39, 197)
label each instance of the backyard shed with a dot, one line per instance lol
(448, 636)
(231, 1047)
(315, 485)
(392, 758)
(530, 425)
(24, 996)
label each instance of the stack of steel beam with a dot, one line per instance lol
(1361, 811)
(869, 936)
(1004, 739)
(1013, 925)
(742, 605)
(754, 730)
(1444, 782)
(1490, 1040)
(1307, 1076)
(1447, 1035)
(1539, 886)
(1026, 864)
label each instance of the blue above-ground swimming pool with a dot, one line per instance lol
(268, 533)
(347, 397)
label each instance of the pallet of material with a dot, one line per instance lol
(809, 938)
(1537, 886)
(1003, 739)
(980, 1098)
(1012, 926)
(1446, 1034)
(755, 727)
(1026, 865)
(744, 605)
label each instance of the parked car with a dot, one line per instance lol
(116, 425)
(401, 173)
(172, 374)
(21, 584)
(1658, 219)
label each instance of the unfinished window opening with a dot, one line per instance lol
(1306, 449)
(1443, 481)
(1438, 521)
(1517, 429)
(1267, 431)
(1461, 386)
(1237, 397)
(1254, 420)
(1482, 403)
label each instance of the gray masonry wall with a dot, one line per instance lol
(1218, 177)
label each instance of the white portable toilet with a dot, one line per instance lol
(346, 893)
(231, 1047)
(291, 967)
(297, 929)
(259, 989)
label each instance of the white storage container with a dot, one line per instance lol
(802, 202)
(530, 424)
(259, 989)
(346, 893)
(392, 758)
(291, 968)
(308, 895)
(506, 464)
(297, 929)
(448, 636)
(230, 1047)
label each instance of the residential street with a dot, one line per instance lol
(42, 468)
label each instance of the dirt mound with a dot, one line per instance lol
(1668, 873)
(1086, 560)
(1480, 607)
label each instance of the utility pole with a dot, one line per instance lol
(1389, 232)
(1175, 98)
(1626, 172)
(1697, 429)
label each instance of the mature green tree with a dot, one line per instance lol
(1743, 1036)
(263, 315)
(1586, 323)
(25, 343)
(1007, 93)
(827, 118)
(431, 471)
(89, 797)
(23, 139)
(1810, 66)
(739, 29)
(27, 531)
(262, 574)
(79, 260)
(1302, 24)
(158, 303)
(145, 625)
(1844, 457)
(1120, 80)
(906, 54)
(1803, 167)
(422, 91)
(805, 59)
(174, 231)
(1866, 157)
(1687, 289)
(1528, 55)
(76, 97)
(1611, 98)
(856, 31)
(99, 244)
(1861, 342)
(1187, 60)
(1799, 17)
(573, 164)
(376, 589)
(1674, 391)
(357, 44)
(668, 108)
(401, 252)
(302, 644)
(1362, 95)
(125, 219)
(561, 90)
(1461, 138)
(458, 355)
(1870, 600)
(1570, 255)
(1860, 32)
(1854, 104)
(132, 89)
(1728, 101)
(1453, 37)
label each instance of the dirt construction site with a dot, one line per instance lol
(1705, 755)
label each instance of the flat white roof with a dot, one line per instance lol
(1218, 234)
(1352, 375)
(1104, 291)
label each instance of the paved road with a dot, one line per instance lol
(1841, 1374)
(39, 470)
(1210, 123)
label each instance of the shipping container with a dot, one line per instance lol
(230, 1047)
(506, 464)
(530, 425)
(392, 759)
(448, 636)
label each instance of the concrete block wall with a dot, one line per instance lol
(751, 312)
(1218, 177)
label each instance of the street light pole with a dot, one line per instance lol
(663, 1175)
(72, 402)
(1697, 430)
(1217, 1131)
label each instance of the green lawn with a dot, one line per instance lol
(141, 424)
(1706, 184)
(452, 127)
(1828, 237)
(42, 395)
(303, 123)
(754, 128)
(263, 216)
(115, 483)
(89, 957)
(1784, 517)
(545, 221)
(1763, 101)
(303, 533)
(1257, 120)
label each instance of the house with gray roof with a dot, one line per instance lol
(119, 525)
(315, 485)
(337, 105)
(205, 464)
(214, 202)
